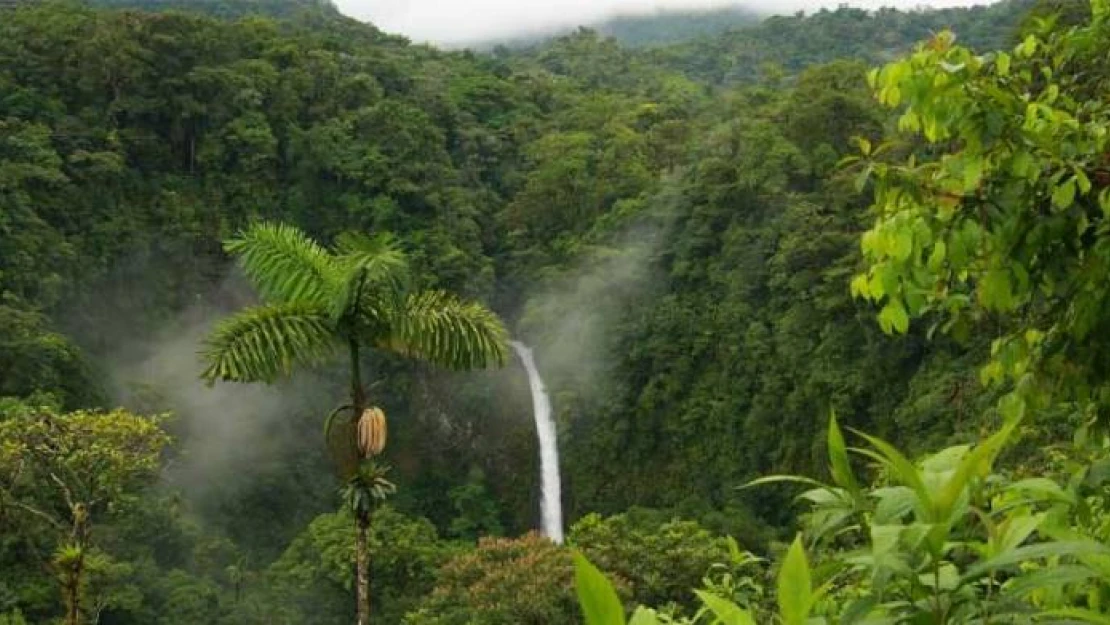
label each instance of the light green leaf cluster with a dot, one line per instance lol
(996, 215)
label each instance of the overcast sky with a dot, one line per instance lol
(460, 21)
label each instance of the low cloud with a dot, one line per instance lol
(227, 432)
(467, 21)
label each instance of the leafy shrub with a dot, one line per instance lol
(944, 541)
(318, 567)
(504, 581)
(662, 560)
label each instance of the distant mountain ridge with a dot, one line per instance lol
(794, 42)
(659, 28)
(226, 8)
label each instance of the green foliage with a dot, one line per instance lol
(993, 223)
(945, 540)
(666, 27)
(60, 475)
(322, 301)
(476, 511)
(796, 41)
(795, 588)
(315, 571)
(319, 302)
(599, 601)
(35, 358)
(501, 582)
(742, 325)
(661, 560)
(230, 8)
(51, 463)
(671, 230)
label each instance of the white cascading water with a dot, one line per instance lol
(551, 504)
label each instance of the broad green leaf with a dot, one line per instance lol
(861, 609)
(840, 467)
(1072, 548)
(644, 616)
(947, 578)
(904, 470)
(1015, 530)
(1022, 164)
(893, 503)
(1027, 47)
(827, 497)
(1012, 407)
(725, 611)
(973, 174)
(1051, 577)
(1083, 181)
(936, 258)
(1100, 9)
(977, 463)
(795, 588)
(893, 318)
(1003, 63)
(596, 596)
(1063, 195)
(858, 286)
(1078, 615)
(902, 245)
(995, 290)
(1044, 489)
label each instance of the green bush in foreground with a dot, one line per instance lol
(945, 540)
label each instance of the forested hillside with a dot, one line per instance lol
(791, 43)
(679, 231)
(660, 28)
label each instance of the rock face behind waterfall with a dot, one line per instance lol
(551, 505)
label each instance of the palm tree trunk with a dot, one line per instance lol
(362, 521)
(362, 550)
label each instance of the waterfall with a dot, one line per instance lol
(551, 505)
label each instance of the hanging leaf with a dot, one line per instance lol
(893, 318)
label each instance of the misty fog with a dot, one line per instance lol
(466, 21)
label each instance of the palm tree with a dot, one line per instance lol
(320, 303)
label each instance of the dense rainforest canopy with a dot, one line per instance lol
(675, 228)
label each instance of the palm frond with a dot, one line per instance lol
(381, 255)
(443, 330)
(284, 264)
(261, 343)
(374, 271)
